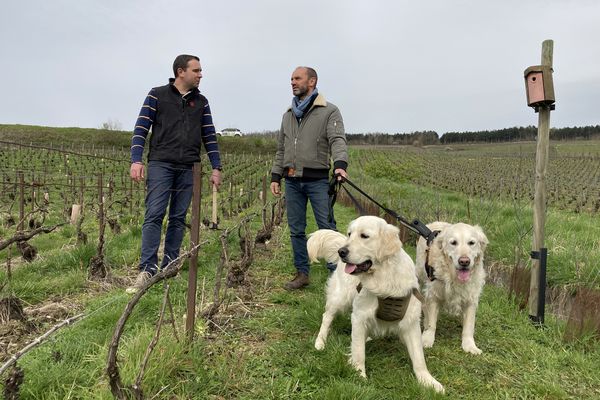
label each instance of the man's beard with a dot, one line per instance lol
(301, 92)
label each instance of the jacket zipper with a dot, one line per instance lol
(297, 133)
(185, 122)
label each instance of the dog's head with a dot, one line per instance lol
(464, 246)
(370, 241)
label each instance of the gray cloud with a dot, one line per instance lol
(391, 66)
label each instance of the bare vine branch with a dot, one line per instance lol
(37, 341)
(22, 236)
(112, 370)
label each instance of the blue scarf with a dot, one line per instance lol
(299, 107)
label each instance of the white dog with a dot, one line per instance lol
(456, 261)
(372, 256)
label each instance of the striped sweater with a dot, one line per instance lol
(178, 123)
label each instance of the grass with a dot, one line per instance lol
(264, 347)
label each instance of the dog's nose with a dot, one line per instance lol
(464, 261)
(343, 252)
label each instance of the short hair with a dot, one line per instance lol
(311, 73)
(181, 61)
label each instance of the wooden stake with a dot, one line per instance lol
(539, 209)
(190, 319)
(214, 224)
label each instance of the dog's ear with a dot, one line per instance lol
(390, 242)
(483, 240)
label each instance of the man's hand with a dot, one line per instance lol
(341, 174)
(137, 171)
(275, 188)
(215, 177)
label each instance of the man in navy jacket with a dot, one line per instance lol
(181, 121)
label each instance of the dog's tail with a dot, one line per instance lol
(324, 244)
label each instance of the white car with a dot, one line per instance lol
(230, 132)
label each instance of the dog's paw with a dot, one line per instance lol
(427, 380)
(470, 347)
(428, 338)
(360, 368)
(319, 344)
(437, 387)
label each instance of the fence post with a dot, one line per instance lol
(33, 192)
(190, 320)
(81, 195)
(21, 200)
(230, 199)
(130, 198)
(214, 223)
(102, 225)
(536, 287)
(264, 200)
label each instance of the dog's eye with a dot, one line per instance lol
(471, 243)
(349, 233)
(453, 242)
(362, 235)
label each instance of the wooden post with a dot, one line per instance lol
(33, 192)
(101, 223)
(214, 224)
(21, 200)
(190, 320)
(81, 188)
(75, 213)
(130, 198)
(230, 199)
(264, 200)
(536, 304)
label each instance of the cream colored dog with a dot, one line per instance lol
(456, 256)
(371, 255)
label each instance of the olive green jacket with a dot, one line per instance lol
(305, 149)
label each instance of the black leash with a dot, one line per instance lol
(415, 226)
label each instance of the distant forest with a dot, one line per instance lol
(501, 135)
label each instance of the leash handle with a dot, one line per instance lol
(424, 231)
(421, 228)
(334, 185)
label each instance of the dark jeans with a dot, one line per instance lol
(166, 184)
(297, 194)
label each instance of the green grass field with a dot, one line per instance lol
(260, 344)
(262, 347)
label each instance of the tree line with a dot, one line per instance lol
(423, 138)
(521, 133)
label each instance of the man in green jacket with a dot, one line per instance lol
(312, 134)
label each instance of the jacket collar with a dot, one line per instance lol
(193, 92)
(319, 102)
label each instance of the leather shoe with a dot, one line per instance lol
(299, 281)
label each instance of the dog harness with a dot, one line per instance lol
(428, 268)
(393, 308)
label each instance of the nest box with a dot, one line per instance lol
(539, 86)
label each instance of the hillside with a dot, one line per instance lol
(85, 139)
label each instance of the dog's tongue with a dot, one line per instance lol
(350, 268)
(464, 275)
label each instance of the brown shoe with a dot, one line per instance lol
(299, 281)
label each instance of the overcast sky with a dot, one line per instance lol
(390, 66)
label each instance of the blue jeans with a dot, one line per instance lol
(297, 194)
(166, 184)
